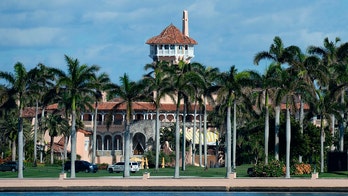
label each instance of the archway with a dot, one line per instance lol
(139, 145)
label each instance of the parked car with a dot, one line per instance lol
(9, 166)
(81, 166)
(119, 167)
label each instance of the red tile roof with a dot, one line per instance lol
(171, 35)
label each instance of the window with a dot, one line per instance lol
(172, 47)
(166, 47)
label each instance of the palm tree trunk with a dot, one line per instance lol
(205, 134)
(127, 148)
(194, 135)
(126, 151)
(234, 135)
(183, 155)
(73, 143)
(266, 129)
(157, 127)
(94, 133)
(301, 122)
(342, 124)
(332, 129)
(276, 132)
(14, 150)
(20, 144)
(288, 141)
(228, 142)
(35, 132)
(177, 144)
(66, 147)
(51, 147)
(200, 139)
(322, 133)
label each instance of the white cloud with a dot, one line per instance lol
(33, 37)
(100, 17)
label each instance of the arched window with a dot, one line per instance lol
(87, 117)
(99, 143)
(107, 142)
(118, 142)
(118, 119)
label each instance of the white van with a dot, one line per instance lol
(119, 167)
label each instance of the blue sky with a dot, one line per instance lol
(112, 33)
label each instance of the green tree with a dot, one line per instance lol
(101, 84)
(55, 124)
(230, 85)
(130, 92)
(78, 83)
(40, 80)
(157, 82)
(265, 86)
(278, 54)
(335, 57)
(18, 82)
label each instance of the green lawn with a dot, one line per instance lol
(54, 171)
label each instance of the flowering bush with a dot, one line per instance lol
(302, 168)
(273, 169)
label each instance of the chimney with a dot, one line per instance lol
(185, 30)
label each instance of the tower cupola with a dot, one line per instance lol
(173, 45)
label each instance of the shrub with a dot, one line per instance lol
(103, 166)
(302, 168)
(273, 169)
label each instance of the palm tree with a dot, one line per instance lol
(279, 55)
(289, 90)
(19, 84)
(181, 81)
(229, 90)
(101, 84)
(129, 91)
(40, 80)
(77, 82)
(55, 124)
(157, 81)
(333, 56)
(205, 88)
(265, 85)
(325, 106)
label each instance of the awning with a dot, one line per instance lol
(212, 136)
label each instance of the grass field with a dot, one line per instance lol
(48, 171)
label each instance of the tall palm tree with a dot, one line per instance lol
(334, 57)
(77, 82)
(265, 85)
(18, 82)
(158, 82)
(230, 86)
(40, 80)
(279, 54)
(289, 90)
(325, 106)
(101, 84)
(130, 92)
(205, 88)
(181, 86)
